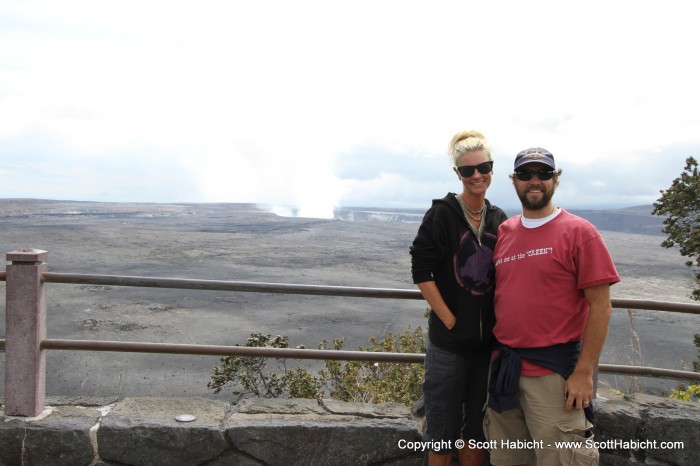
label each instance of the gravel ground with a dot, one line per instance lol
(240, 242)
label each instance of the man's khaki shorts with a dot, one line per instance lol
(530, 434)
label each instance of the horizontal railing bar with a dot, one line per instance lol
(286, 353)
(648, 372)
(325, 290)
(218, 350)
(686, 308)
(294, 353)
(224, 285)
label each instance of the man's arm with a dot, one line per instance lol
(437, 303)
(579, 385)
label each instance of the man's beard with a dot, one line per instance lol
(538, 204)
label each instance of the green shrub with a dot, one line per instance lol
(378, 382)
(372, 382)
(691, 393)
(302, 384)
(249, 375)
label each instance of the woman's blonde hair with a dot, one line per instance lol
(467, 141)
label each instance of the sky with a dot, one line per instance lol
(305, 106)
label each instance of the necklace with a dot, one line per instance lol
(475, 212)
(477, 218)
(476, 215)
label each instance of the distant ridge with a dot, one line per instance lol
(636, 219)
(364, 214)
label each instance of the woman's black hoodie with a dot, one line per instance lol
(448, 252)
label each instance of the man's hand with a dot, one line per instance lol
(579, 386)
(579, 390)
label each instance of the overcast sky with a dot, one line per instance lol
(318, 104)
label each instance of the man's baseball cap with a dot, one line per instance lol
(534, 155)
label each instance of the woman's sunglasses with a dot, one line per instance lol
(468, 170)
(526, 175)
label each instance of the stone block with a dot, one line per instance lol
(81, 400)
(58, 437)
(367, 410)
(359, 435)
(617, 419)
(650, 420)
(615, 460)
(144, 431)
(679, 422)
(62, 438)
(237, 458)
(279, 406)
(11, 435)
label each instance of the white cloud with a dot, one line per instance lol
(267, 102)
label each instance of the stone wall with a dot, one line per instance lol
(649, 420)
(145, 431)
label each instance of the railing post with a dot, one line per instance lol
(25, 328)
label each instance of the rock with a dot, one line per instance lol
(279, 406)
(59, 436)
(348, 433)
(649, 420)
(144, 431)
(616, 419)
(269, 432)
(678, 421)
(11, 435)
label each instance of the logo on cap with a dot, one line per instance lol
(534, 154)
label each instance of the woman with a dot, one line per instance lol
(452, 264)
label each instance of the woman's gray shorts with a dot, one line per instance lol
(454, 391)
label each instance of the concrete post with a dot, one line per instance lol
(25, 328)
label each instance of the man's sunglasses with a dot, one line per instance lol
(526, 175)
(483, 168)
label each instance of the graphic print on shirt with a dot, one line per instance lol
(524, 255)
(473, 263)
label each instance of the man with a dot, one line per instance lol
(552, 305)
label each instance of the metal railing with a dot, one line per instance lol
(25, 367)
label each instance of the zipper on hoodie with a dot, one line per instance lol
(481, 325)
